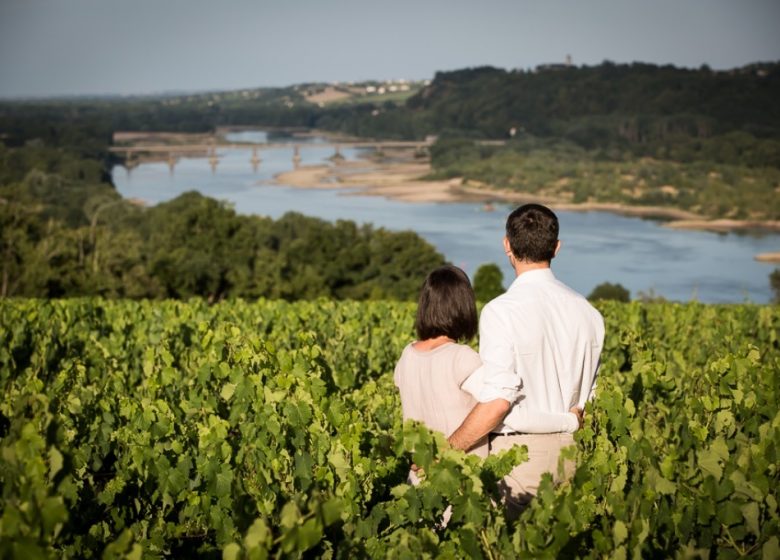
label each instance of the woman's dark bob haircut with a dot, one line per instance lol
(447, 306)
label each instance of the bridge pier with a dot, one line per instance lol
(213, 159)
(130, 163)
(337, 157)
(172, 160)
(296, 157)
(255, 161)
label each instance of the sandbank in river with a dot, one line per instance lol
(402, 180)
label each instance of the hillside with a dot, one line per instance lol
(701, 141)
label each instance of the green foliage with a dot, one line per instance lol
(657, 111)
(638, 134)
(273, 429)
(63, 236)
(488, 282)
(650, 296)
(640, 106)
(67, 232)
(608, 291)
(451, 151)
(644, 110)
(562, 170)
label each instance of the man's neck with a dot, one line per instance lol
(526, 266)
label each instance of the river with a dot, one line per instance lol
(597, 247)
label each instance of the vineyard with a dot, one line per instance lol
(271, 429)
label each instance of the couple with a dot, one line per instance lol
(539, 347)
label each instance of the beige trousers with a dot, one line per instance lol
(521, 485)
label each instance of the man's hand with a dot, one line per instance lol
(578, 412)
(480, 421)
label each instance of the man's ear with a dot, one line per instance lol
(507, 247)
(557, 248)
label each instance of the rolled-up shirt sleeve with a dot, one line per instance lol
(521, 419)
(498, 359)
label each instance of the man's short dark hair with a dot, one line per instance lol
(446, 306)
(532, 230)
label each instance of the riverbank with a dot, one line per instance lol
(637, 253)
(402, 179)
(768, 257)
(397, 180)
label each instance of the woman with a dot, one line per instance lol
(431, 372)
(432, 369)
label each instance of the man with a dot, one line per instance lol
(540, 344)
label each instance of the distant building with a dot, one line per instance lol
(555, 65)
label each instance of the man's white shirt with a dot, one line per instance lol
(539, 343)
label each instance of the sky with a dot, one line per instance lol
(96, 47)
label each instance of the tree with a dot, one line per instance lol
(488, 282)
(190, 246)
(20, 229)
(399, 262)
(605, 290)
(774, 281)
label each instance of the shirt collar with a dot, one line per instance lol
(534, 276)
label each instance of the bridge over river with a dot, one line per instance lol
(172, 152)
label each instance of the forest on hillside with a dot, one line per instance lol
(65, 231)
(697, 140)
(637, 107)
(641, 134)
